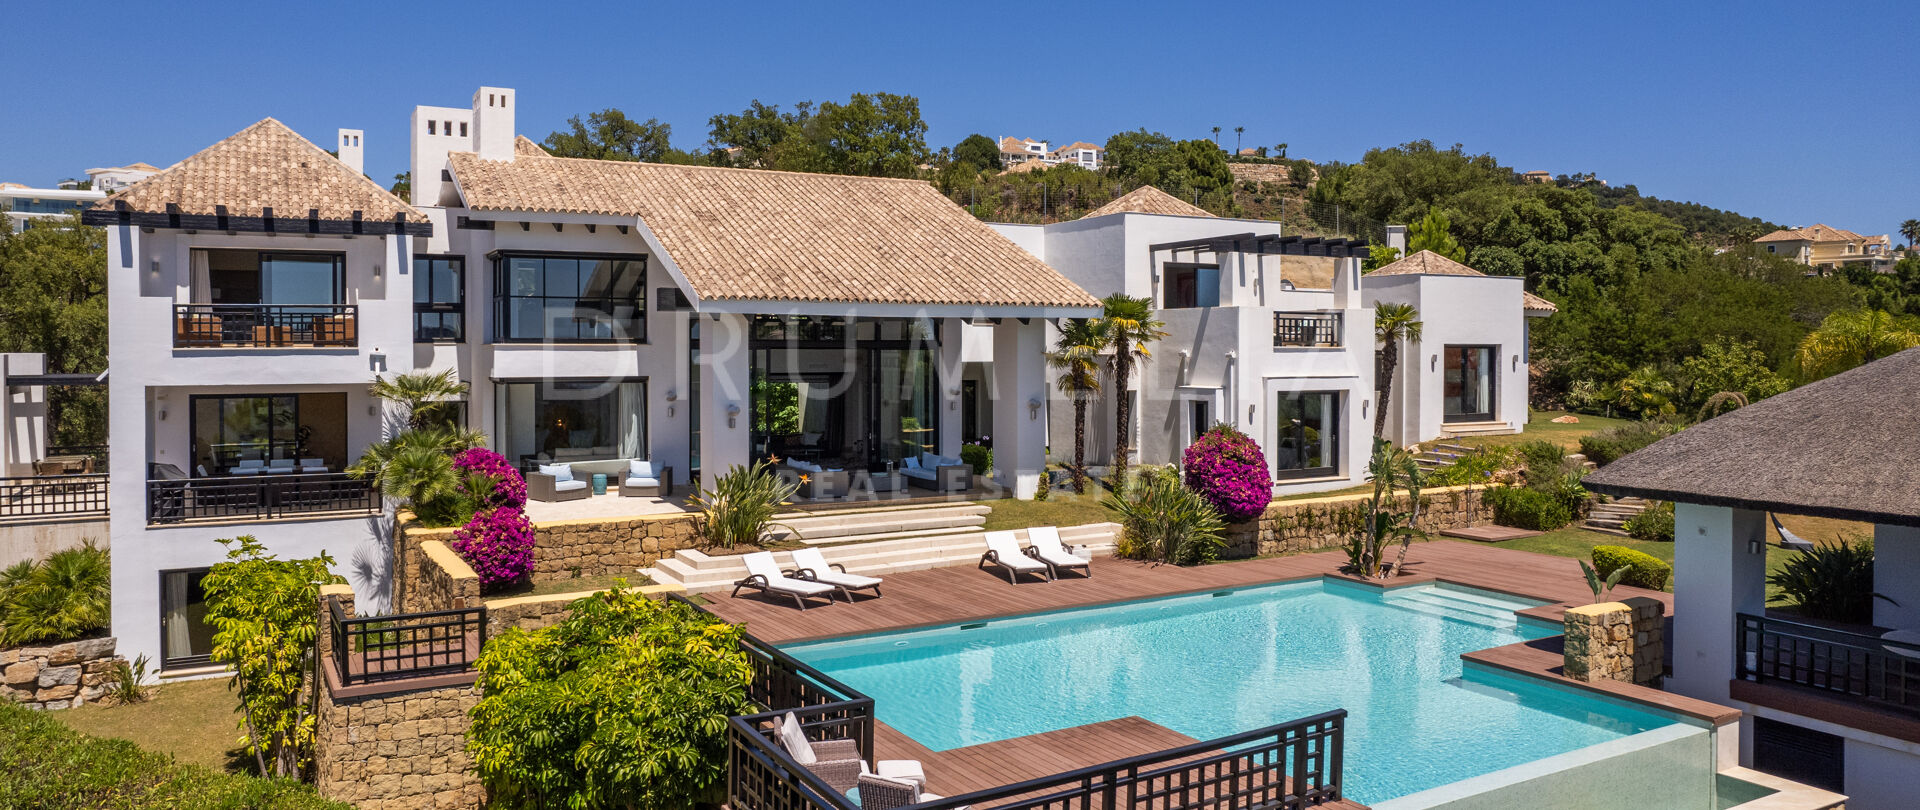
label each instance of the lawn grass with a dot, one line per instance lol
(1061, 508)
(197, 722)
(1578, 543)
(1541, 426)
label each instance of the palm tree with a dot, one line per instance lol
(423, 394)
(1077, 355)
(1911, 230)
(1216, 136)
(417, 465)
(1392, 324)
(1236, 138)
(1127, 326)
(1849, 339)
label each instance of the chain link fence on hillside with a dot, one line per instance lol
(1043, 203)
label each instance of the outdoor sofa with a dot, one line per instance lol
(815, 482)
(938, 473)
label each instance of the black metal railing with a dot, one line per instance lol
(405, 645)
(259, 497)
(1304, 329)
(97, 452)
(198, 326)
(1856, 665)
(53, 496)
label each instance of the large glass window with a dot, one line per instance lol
(1468, 384)
(273, 279)
(1190, 285)
(234, 431)
(186, 639)
(570, 298)
(1307, 436)
(844, 393)
(439, 299)
(571, 420)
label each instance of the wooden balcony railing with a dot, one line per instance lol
(325, 326)
(1298, 329)
(1862, 667)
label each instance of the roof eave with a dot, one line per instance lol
(257, 224)
(1620, 490)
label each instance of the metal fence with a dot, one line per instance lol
(1306, 329)
(1856, 665)
(406, 645)
(258, 497)
(262, 325)
(53, 496)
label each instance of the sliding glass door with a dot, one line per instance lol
(230, 429)
(1306, 435)
(561, 421)
(1468, 384)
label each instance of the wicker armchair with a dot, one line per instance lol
(881, 793)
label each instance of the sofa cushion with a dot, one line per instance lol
(640, 469)
(794, 739)
(569, 485)
(913, 462)
(560, 472)
(641, 481)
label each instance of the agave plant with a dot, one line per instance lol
(739, 509)
(1164, 521)
(1831, 581)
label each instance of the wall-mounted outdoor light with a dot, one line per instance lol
(1434, 364)
(733, 410)
(1516, 362)
(672, 397)
(1033, 408)
(376, 272)
(153, 268)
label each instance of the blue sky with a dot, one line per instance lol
(1793, 113)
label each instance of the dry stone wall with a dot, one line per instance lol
(1322, 523)
(397, 750)
(58, 676)
(536, 612)
(446, 581)
(1616, 641)
(562, 549)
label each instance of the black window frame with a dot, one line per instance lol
(262, 257)
(1492, 412)
(275, 443)
(1168, 270)
(168, 661)
(502, 261)
(439, 309)
(1331, 445)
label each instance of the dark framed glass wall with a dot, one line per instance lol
(1307, 434)
(569, 298)
(1469, 383)
(439, 299)
(186, 639)
(560, 421)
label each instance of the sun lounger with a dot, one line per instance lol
(1046, 547)
(1004, 551)
(812, 566)
(763, 575)
(1789, 540)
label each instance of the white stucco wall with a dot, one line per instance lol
(1456, 311)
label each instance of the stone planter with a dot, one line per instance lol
(58, 676)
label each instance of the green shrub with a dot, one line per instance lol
(65, 596)
(979, 457)
(622, 704)
(1646, 570)
(739, 510)
(1834, 581)
(1655, 524)
(1477, 467)
(1163, 521)
(1527, 508)
(1607, 446)
(47, 766)
(1541, 458)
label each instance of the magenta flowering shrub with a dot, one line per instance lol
(509, 486)
(498, 543)
(1227, 469)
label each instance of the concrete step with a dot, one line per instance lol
(1605, 530)
(1453, 448)
(1459, 429)
(821, 528)
(697, 571)
(1606, 523)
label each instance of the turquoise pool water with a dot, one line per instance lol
(1211, 665)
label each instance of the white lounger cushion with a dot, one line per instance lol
(569, 485)
(1046, 544)
(811, 559)
(761, 564)
(1007, 550)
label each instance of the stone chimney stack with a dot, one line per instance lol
(493, 123)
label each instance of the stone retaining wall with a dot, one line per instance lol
(536, 612)
(446, 581)
(1617, 641)
(1322, 523)
(562, 549)
(58, 676)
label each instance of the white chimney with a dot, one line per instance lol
(351, 152)
(1397, 238)
(493, 123)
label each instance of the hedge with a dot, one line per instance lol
(1525, 508)
(1648, 571)
(1654, 525)
(48, 766)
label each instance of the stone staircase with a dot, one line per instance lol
(1611, 517)
(1457, 429)
(829, 526)
(1437, 456)
(699, 572)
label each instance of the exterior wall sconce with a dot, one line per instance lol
(1033, 408)
(163, 414)
(672, 397)
(1434, 364)
(153, 268)
(733, 412)
(1516, 362)
(376, 272)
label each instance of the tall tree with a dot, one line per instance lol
(979, 150)
(1237, 131)
(872, 134)
(53, 300)
(1846, 340)
(611, 135)
(1911, 230)
(1216, 137)
(1129, 329)
(1077, 356)
(1393, 324)
(1432, 233)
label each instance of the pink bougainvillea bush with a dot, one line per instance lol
(498, 543)
(509, 486)
(1227, 469)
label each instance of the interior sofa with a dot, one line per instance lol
(556, 482)
(937, 473)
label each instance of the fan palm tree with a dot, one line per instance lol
(1216, 136)
(1393, 324)
(1911, 230)
(1077, 356)
(1236, 138)
(417, 465)
(1128, 327)
(423, 394)
(1849, 339)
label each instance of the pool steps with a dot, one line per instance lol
(1459, 605)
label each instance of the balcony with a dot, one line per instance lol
(219, 326)
(1306, 330)
(1856, 667)
(265, 496)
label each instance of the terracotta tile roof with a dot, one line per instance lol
(143, 167)
(1149, 200)
(1820, 233)
(523, 145)
(1840, 448)
(1426, 263)
(1534, 303)
(1076, 145)
(263, 166)
(758, 235)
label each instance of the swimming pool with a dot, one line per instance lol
(1209, 665)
